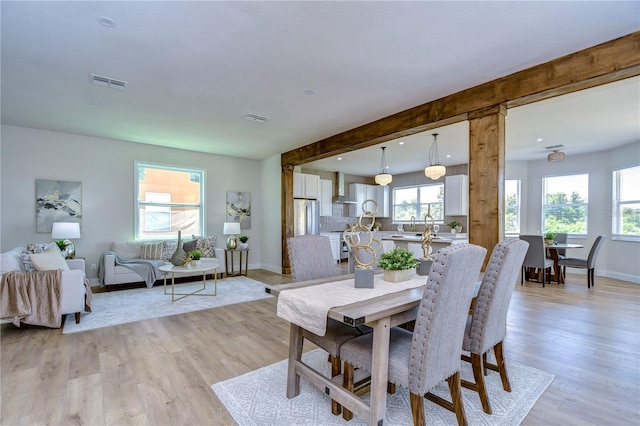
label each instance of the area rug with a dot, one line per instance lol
(124, 306)
(259, 398)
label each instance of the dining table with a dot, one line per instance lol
(309, 304)
(552, 253)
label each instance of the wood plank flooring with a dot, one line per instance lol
(159, 371)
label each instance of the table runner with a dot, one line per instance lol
(308, 306)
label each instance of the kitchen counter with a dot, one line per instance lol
(413, 241)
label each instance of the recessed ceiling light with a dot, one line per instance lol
(539, 139)
(339, 158)
(107, 22)
(448, 156)
(401, 143)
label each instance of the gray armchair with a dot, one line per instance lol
(310, 258)
(487, 325)
(536, 258)
(589, 263)
(422, 359)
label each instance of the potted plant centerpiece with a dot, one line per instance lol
(398, 265)
(243, 242)
(195, 255)
(549, 237)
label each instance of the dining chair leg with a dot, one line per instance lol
(417, 409)
(502, 367)
(484, 363)
(456, 398)
(336, 369)
(479, 371)
(347, 383)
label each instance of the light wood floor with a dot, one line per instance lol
(159, 371)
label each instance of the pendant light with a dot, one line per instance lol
(435, 170)
(556, 155)
(383, 178)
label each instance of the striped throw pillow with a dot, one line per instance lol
(152, 250)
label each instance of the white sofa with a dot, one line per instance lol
(73, 289)
(119, 274)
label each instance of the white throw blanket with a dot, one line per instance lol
(308, 306)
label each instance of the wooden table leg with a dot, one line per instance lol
(379, 371)
(295, 355)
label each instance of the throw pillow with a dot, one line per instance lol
(152, 250)
(190, 246)
(206, 246)
(50, 260)
(34, 248)
(168, 248)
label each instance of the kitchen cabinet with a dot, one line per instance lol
(456, 195)
(361, 192)
(306, 186)
(326, 197)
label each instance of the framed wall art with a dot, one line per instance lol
(57, 201)
(239, 208)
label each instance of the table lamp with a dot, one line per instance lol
(63, 232)
(232, 229)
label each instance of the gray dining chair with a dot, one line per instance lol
(589, 263)
(536, 258)
(487, 324)
(422, 359)
(561, 238)
(310, 258)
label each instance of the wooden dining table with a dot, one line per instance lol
(552, 250)
(380, 312)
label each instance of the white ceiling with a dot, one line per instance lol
(195, 69)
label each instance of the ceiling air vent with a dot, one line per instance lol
(256, 118)
(108, 82)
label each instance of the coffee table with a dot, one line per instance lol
(204, 267)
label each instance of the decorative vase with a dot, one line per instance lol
(177, 258)
(244, 246)
(424, 266)
(397, 276)
(548, 241)
(69, 252)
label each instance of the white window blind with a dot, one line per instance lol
(625, 220)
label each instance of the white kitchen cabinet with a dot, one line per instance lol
(456, 195)
(326, 197)
(361, 192)
(306, 186)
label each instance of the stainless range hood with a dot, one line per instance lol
(341, 198)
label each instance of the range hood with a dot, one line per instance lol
(340, 198)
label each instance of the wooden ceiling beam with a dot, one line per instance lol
(607, 62)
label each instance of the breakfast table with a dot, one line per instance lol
(309, 304)
(552, 250)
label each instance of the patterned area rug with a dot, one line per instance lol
(259, 398)
(124, 306)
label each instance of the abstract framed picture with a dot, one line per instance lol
(239, 208)
(57, 201)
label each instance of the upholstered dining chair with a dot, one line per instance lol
(487, 324)
(589, 263)
(422, 359)
(561, 238)
(536, 258)
(310, 258)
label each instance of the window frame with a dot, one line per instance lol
(585, 204)
(616, 212)
(201, 173)
(419, 203)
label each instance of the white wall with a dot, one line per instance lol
(106, 169)
(617, 259)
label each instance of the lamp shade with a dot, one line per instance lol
(383, 179)
(231, 228)
(65, 230)
(435, 170)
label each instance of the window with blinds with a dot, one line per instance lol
(625, 220)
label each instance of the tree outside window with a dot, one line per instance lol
(512, 206)
(565, 204)
(416, 201)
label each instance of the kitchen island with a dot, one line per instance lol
(413, 241)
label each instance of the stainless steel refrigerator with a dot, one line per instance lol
(306, 217)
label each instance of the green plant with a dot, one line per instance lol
(454, 224)
(549, 236)
(195, 255)
(397, 260)
(243, 238)
(62, 244)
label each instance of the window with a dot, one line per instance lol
(625, 192)
(565, 204)
(512, 206)
(416, 201)
(168, 200)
